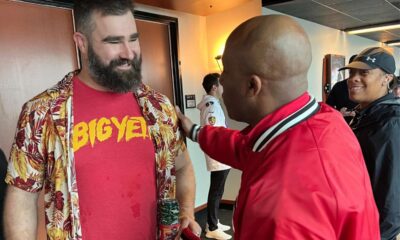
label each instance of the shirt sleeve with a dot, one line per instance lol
(27, 157)
(222, 144)
(174, 138)
(180, 146)
(212, 115)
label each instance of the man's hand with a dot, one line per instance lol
(188, 222)
(186, 123)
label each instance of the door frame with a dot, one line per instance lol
(172, 24)
(173, 42)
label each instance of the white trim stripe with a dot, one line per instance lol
(295, 118)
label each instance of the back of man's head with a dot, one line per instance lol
(277, 50)
(84, 9)
(274, 46)
(209, 81)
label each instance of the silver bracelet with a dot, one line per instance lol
(194, 132)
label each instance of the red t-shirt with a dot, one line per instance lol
(115, 166)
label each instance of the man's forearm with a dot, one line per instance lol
(186, 188)
(20, 214)
(185, 193)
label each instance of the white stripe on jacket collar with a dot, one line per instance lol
(295, 118)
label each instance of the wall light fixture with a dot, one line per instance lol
(393, 43)
(218, 59)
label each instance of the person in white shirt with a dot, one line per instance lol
(211, 113)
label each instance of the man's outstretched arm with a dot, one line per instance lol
(220, 143)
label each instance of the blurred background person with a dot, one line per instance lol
(338, 98)
(396, 86)
(211, 113)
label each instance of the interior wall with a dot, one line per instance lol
(35, 43)
(219, 26)
(326, 40)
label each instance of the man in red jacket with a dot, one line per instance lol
(303, 173)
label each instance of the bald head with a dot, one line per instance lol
(275, 47)
(266, 60)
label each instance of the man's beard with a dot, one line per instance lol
(109, 77)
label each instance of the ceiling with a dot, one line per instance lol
(344, 14)
(197, 7)
(338, 14)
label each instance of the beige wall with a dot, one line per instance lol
(220, 25)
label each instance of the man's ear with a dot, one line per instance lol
(254, 85)
(81, 42)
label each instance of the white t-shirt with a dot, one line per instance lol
(211, 113)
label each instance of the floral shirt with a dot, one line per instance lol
(42, 153)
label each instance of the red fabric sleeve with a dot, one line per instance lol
(222, 144)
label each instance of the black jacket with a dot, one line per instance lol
(339, 98)
(378, 131)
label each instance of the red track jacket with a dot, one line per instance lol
(303, 175)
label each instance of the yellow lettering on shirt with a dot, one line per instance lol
(104, 130)
(92, 131)
(96, 131)
(80, 136)
(121, 126)
(135, 127)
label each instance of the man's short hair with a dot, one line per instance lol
(210, 80)
(84, 9)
